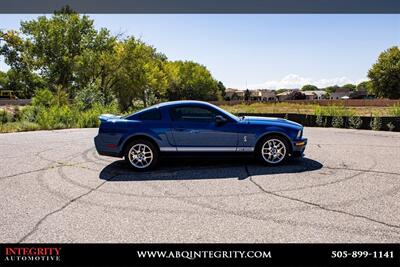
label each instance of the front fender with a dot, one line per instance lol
(278, 131)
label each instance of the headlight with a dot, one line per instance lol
(299, 134)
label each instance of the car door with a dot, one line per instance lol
(194, 129)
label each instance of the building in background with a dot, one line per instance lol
(340, 93)
(263, 95)
(233, 94)
(315, 95)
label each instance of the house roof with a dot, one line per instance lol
(232, 90)
(320, 92)
(284, 93)
(309, 92)
(316, 92)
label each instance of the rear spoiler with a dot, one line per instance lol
(107, 117)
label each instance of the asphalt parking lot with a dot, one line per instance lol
(55, 188)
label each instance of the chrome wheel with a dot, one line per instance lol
(140, 156)
(273, 151)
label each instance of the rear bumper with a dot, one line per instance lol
(105, 149)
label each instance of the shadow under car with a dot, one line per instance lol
(204, 168)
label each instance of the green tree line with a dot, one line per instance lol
(384, 77)
(67, 55)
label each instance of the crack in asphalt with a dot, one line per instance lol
(57, 165)
(36, 227)
(256, 217)
(361, 170)
(27, 172)
(319, 206)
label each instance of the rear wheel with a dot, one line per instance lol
(141, 155)
(273, 150)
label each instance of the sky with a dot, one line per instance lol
(260, 51)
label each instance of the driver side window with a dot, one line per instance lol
(192, 114)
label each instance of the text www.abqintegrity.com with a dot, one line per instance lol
(204, 254)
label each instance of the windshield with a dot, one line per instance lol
(230, 115)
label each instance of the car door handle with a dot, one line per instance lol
(180, 129)
(194, 131)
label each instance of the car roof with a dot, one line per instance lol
(183, 102)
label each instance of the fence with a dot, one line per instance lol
(14, 102)
(386, 123)
(323, 102)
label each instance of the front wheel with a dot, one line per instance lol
(273, 150)
(141, 155)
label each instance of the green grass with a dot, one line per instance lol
(395, 110)
(19, 126)
(312, 109)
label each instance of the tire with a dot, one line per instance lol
(273, 150)
(141, 155)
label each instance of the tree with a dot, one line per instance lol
(296, 95)
(20, 76)
(66, 54)
(221, 88)
(331, 89)
(385, 74)
(140, 74)
(349, 86)
(55, 48)
(247, 95)
(3, 79)
(365, 86)
(23, 83)
(309, 87)
(190, 80)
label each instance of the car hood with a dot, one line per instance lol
(270, 121)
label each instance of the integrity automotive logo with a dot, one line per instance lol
(32, 254)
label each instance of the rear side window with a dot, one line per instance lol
(194, 114)
(150, 115)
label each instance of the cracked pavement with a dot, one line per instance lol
(55, 188)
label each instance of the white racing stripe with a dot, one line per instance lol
(207, 149)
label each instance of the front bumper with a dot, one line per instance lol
(299, 146)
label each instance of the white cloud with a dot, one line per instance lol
(291, 81)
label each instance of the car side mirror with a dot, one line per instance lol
(220, 120)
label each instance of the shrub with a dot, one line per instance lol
(89, 118)
(355, 122)
(57, 117)
(390, 126)
(337, 122)
(376, 123)
(29, 113)
(332, 111)
(5, 116)
(43, 98)
(321, 121)
(19, 126)
(88, 96)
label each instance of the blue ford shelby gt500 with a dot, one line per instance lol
(195, 126)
